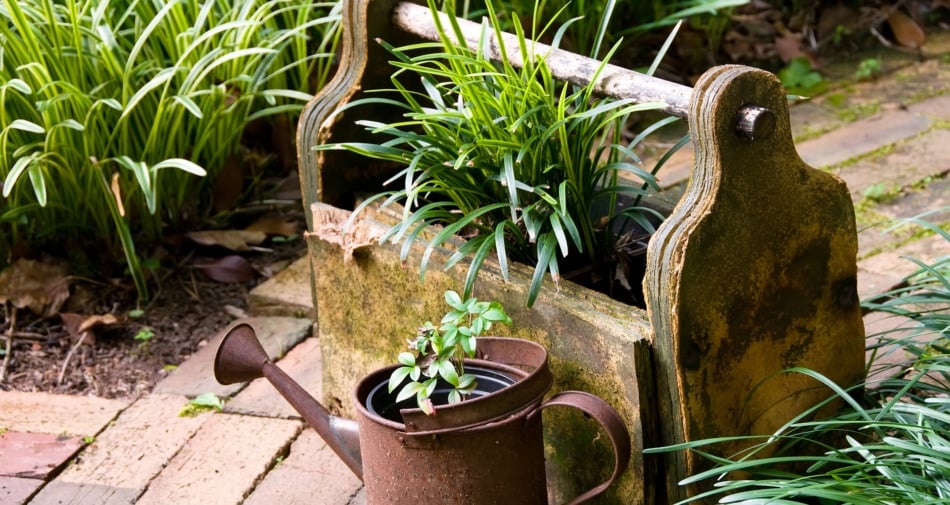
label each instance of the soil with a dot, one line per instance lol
(187, 310)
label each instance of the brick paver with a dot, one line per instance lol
(310, 470)
(118, 466)
(862, 137)
(35, 455)
(16, 490)
(882, 271)
(223, 462)
(904, 166)
(58, 414)
(283, 294)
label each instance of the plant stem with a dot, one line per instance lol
(8, 350)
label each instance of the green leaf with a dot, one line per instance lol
(546, 249)
(181, 164)
(407, 359)
(466, 382)
(38, 181)
(447, 371)
(189, 105)
(207, 400)
(160, 79)
(72, 124)
(26, 126)
(454, 300)
(398, 375)
(19, 166)
(430, 386)
(468, 345)
(496, 314)
(19, 85)
(409, 390)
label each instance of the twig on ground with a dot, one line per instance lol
(8, 350)
(69, 355)
(29, 335)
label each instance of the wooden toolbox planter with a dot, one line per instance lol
(753, 272)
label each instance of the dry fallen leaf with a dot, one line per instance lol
(79, 326)
(906, 31)
(40, 286)
(272, 225)
(789, 46)
(228, 269)
(235, 240)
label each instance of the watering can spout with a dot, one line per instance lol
(241, 358)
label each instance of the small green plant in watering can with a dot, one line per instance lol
(440, 351)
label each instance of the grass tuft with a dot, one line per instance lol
(112, 111)
(524, 167)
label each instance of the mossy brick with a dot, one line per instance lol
(862, 137)
(812, 116)
(934, 108)
(926, 158)
(884, 270)
(930, 199)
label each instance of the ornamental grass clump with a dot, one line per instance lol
(520, 165)
(113, 110)
(888, 444)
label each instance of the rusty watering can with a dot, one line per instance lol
(485, 450)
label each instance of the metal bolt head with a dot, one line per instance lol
(754, 122)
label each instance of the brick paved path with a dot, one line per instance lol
(880, 137)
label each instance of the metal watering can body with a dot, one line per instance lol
(486, 450)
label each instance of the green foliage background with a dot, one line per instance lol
(111, 109)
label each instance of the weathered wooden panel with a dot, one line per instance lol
(754, 272)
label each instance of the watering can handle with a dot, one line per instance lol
(609, 420)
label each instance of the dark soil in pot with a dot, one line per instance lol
(383, 403)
